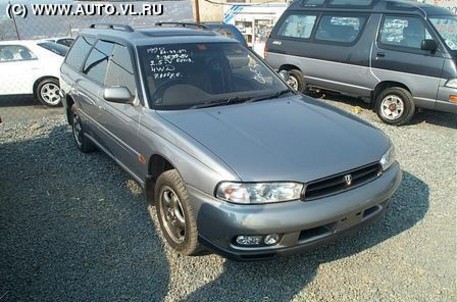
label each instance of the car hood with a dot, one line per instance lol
(292, 138)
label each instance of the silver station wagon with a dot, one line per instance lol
(233, 159)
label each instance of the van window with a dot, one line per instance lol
(79, 51)
(120, 70)
(96, 63)
(343, 29)
(403, 31)
(297, 26)
(312, 2)
(446, 26)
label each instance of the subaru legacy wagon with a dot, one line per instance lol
(233, 159)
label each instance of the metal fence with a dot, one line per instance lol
(21, 21)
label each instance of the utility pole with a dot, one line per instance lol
(197, 11)
(15, 25)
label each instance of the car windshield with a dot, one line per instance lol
(195, 75)
(55, 48)
(447, 28)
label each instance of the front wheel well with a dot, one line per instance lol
(288, 67)
(156, 166)
(383, 86)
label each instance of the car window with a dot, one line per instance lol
(180, 76)
(403, 31)
(65, 42)
(79, 51)
(343, 29)
(10, 53)
(97, 62)
(120, 70)
(297, 26)
(55, 48)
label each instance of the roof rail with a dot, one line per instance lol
(119, 27)
(184, 24)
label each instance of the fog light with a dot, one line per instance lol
(249, 240)
(271, 239)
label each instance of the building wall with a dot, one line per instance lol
(215, 12)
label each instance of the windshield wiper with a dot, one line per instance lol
(271, 96)
(226, 101)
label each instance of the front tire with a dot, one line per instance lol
(82, 142)
(48, 92)
(175, 213)
(395, 106)
(295, 80)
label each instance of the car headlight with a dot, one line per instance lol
(388, 158)
(452, 83)
(258, 193)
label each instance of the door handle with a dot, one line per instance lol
(380, 55)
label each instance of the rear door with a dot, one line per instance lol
(20, 68)
(397, 56)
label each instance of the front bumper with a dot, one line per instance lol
(443, 103)
(301, 224)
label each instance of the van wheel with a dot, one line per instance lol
(395, 106)
(175, 214)
(48, 94)
(82, 142)
(295, 80)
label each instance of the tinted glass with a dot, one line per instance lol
(297, 26)
(180, 76)
(351, 2)
(97, 62)
(344, 29)
(15, 53)
(55, 48)
(79, 51)
(120, 71)
(403, 31)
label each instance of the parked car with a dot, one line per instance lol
(65, 41)
(31, 67)
(398, 55)
(227, 30)
(232, 158)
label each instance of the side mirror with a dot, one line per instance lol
(429, 44)
(284, 74)
(118, 95)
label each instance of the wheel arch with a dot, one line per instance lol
(41, 79)
(157, 164)
(289, 67)
(69, 101)
(385, 85)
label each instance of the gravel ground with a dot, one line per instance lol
(75, 227)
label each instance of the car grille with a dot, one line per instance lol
(337, 183)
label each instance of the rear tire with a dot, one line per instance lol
(395, 106)
(83, 143)
(175, 214)
(48, 92)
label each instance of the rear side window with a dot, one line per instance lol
(403, 31)
(79, 51)
(15, 53)
(297, 26)
(97, 62)
(342, 29)
(120, 70)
